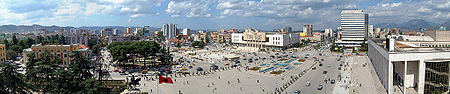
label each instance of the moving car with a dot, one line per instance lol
(329, 65)
(320, 64)
(308, 84)
(320, 87)
(297, 92)
(332, 81)
(199, 69)
(324, 72)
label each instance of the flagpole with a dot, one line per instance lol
(157, 86)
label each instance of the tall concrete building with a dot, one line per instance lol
(169, 31)
(308, 29)
(128, 30)
(354, 28)
(329, 31)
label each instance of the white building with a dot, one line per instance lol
(329, 31)
(370, 30)
(169, 31)
(410, 67)
(354, 26)
(265, 39)
(78, 36)
(187, 31)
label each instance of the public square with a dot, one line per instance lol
(235, 76)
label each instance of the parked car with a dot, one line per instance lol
(332, 81)
(214, 67)
(320, 64)
(324, 72)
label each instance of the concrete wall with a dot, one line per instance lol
(438, 35)
(379, 58)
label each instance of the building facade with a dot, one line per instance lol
(354, 28)
(62, 51)
(187, 31)
(2, 53)
(329, 31)
(78, 36)
(411, 66)
(438, 35)
(308, 29)
(265, 39)
(169, 31)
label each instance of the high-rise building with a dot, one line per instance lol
(128, 30)
(187, 31)
(169, 31)
(354, 24)
(329, 31)
(79, 36)
(370, 30)
(307, 29)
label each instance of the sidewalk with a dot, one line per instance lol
(364, 78)
(341, 86)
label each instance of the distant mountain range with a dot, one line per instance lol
(413, 25)
(31, 28)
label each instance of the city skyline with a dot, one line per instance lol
(216, 14)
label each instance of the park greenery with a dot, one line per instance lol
(15, 46)
(129, 51)
(198, 44)
(45, 74)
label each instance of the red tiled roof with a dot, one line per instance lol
(174, 40)
(83, 46)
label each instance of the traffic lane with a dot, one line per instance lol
(316, 78)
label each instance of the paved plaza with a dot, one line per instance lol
(242, 80)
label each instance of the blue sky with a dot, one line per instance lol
(216, 14)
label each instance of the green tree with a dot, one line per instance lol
(11, 81)
(41, 71)
(198, 44)
(14, 40)
(6, 43)
(11, 55)
(62, 39)
(16, 48)
(30, 42)
(165, 56)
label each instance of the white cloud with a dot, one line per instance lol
(189, 8)
(136, 15)
(93, 8)
(432, 11)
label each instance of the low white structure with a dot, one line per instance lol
(265, 39)
(411, 66)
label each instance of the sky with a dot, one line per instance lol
(216, 14)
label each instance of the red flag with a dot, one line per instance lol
(165, 79)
